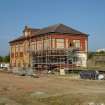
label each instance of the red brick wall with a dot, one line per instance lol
(73, 37)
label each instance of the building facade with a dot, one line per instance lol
(48, 46)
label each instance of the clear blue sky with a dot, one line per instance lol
(85, 15)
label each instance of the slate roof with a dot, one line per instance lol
(23, 37)
(17, 39)
(57, 28)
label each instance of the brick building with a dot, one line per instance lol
(49, 45)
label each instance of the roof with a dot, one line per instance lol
(17, 39)
(33, 30)
(57, 28)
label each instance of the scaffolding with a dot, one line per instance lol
(51, 59)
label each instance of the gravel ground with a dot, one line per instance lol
(50, 90)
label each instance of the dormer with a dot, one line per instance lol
(27, 31)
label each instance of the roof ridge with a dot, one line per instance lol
(71, 28)
(59, 25)
(55, 26)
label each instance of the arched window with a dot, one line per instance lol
(71, 44)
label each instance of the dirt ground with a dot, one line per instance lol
(50, 90)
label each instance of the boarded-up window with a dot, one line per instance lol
(59, 43)
(26, 47)
(12, 55)
(17, 48)
(12, 49)
(39, 45)
(21, 54)
(16, 54)
(21, 48)
(46, 43)
(32, 46)
(35, 45)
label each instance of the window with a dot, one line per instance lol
(71, 44)
(59, 43)
(76, 43)
(26, 33)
